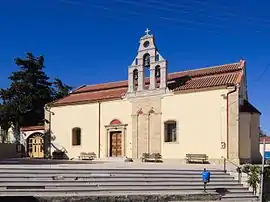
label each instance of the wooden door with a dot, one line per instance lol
(37, 150)
(116, 144)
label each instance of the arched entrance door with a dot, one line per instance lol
(35, 145)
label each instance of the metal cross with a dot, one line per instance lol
(147, 31)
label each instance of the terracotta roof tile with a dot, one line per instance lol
(93, 96)
(221, 75)
(267, 139)
(32, 128)
(210, 81)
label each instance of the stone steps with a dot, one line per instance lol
(111, 179)
(89, 180)
(78, 175)
(117, 183)
(92, 172)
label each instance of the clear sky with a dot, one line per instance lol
(94, 41)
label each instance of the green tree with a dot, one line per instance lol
(60, 89)
(30, 89)
(262, 133)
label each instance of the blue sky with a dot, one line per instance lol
(94, 41)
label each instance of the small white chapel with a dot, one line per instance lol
(201, 111)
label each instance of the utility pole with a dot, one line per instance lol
(262, 173)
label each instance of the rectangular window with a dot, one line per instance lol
(170, 132)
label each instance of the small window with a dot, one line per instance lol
(76, 136)
(170, 131)
(136, 61)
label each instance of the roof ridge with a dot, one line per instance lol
(111, 82)
(204, 68)
(125, 82)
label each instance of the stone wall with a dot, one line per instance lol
(8, 150)
(146, 131)
(128, 198)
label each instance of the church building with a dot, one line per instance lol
(201, 111)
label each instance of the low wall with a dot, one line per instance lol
(8, 150)
(127, 198)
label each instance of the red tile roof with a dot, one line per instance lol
(222, 75)
(32, 128)
(267, 139)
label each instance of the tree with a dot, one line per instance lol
(60, 90)
(262, 133)
(30, 89)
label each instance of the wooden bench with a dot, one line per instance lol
(196, 157)
(87, 156)
(151, 157)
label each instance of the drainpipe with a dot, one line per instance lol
(227, 113)
(99, 132)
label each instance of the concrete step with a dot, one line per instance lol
(107, 172)
(126, 188)
(240, 199)
(233, 196)
(129, 169)
(100, 193)
(102, 175)
(105, 184)
(113, 179)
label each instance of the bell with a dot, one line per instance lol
(135, 76)
(158, 72)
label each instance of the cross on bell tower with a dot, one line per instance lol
(147, 31)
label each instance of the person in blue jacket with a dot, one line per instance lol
(205, 178)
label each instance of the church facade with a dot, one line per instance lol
(202, 111)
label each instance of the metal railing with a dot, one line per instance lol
(237, 168)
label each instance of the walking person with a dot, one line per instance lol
(205, 178)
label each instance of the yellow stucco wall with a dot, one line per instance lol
(83, 116)
(249, 137)
(255, 139)
(201, 123)
(86, 117)
(120, 110)
(245, 136)
(200, 116)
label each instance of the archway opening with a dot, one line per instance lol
(35, 145)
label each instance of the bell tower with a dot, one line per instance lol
(148, 59)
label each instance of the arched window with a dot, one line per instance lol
(146, 60)
(76, 136)
(170, 134)
(157, 71)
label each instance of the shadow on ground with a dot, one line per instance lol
(19, 199)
